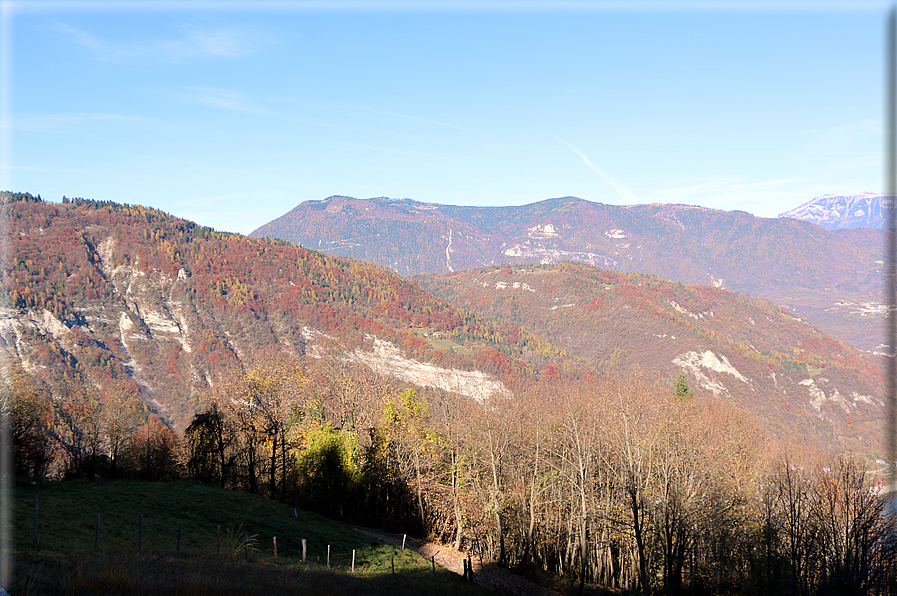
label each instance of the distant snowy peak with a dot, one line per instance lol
(837, 212)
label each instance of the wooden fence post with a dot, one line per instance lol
(404, 536)
(433, 563)
(303, 549)
(328, 556)
(353, 560)
(275, 547)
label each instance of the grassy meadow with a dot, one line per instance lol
(70, 557)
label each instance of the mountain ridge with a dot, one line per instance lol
(833, 277)
(841, 212)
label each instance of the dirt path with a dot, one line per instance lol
(489, 575)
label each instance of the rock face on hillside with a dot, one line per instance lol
(159, 307)
(784, 370)
(838, 212)
(831, 277)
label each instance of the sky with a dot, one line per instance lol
(231, 114)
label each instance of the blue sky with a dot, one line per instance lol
(230, 114)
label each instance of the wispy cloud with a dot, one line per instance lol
(192, 44)
(621, 188)
(852, 131)
(772, 182)
(225, 99)
(65, 122)
(765, 198)
(425, 120)
(723, 185)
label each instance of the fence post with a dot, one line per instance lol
(353, 560)
(275, 547)
(303, 549)
(433, 563)
(328, 556)
(392, 563)
(404, 536)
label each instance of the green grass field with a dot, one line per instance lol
(443, 344)
(64, 559)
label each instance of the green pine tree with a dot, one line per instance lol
(681, 388)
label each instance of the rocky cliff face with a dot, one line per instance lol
(165, 309)
(839, 212)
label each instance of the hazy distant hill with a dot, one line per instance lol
(131, 295)
(837, 212)
(785, 370)
(831, 277)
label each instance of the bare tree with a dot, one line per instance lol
(78, 428)
(849, 520)
(632, 459)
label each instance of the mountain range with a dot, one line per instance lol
(134, 298)
(838, 212)
(831, 277)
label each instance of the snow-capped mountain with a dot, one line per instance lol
(837, 212)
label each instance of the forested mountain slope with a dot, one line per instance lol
(607, 476)
(831, 277)
(143, 302)
(152, 304)
(791, 375)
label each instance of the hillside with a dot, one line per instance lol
(830, 277)
(181, 550)
(791, 375)
(147, 303)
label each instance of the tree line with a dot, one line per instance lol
(624, 483)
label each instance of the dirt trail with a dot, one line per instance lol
(487, 575)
